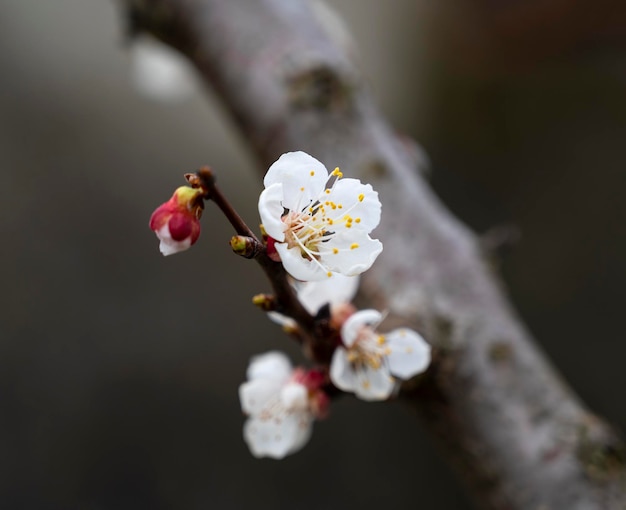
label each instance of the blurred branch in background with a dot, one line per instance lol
(518, 436)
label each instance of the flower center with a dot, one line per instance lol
(306, 230)
(369, 349)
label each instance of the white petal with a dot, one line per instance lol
(160, 72)
(273, 365)
(255, 395)
(277, 437)
(350, 252)
(169, 246)
(336, 290)
(410, 353)
(271, 210)
(358, 200)
(282, 320)
(294, 396)
(374, 384)
(303, 178)
(298, 266)
(342, 373)
(351, 328)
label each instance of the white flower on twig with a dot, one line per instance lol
(281, 403)
(318, 223)
(368, 362)
(161, 73)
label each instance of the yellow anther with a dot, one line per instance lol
(330, 221)
(374, 362)
(333, 206)
(337, 173)
(329, 274)
(335, 251)
(366, 385)
(352, 356)
(361, 197)
(312, 173)
(381, 339)
(354, 246)
(302, 188)
(357, 220)
(327, 191)
(340, 206)
(327, 203)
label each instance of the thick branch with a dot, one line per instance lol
(517, 434)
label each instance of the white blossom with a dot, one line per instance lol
(320, 223)
(281, 404)
(161, 73)
(368, 362)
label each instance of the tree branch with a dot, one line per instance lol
(517, 435)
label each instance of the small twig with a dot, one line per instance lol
(206, 178)
(316, 335)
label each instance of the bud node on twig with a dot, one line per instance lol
(265, 302)
(245, 246)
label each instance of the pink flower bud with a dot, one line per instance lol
(176, 222)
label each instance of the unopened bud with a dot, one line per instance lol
(265, 302)
(177, 222)
(245, 246)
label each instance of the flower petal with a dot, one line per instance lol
(160, 72)
(277, 437)
(374, 384)
(294, 396)
(273, 365)
(298, 266)
(255, 395)
(282, 320)
(342, 373)
(410, 354)
(169, 246)
(352, 327)
(303, 178)
(271, 210)
(356, 200)
(350, 252)
(336, 290)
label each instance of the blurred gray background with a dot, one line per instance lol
(119, 368)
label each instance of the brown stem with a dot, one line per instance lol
(313, 334)
(213, 193)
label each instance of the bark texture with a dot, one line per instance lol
(515, 432)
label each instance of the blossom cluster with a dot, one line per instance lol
(318, 225)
